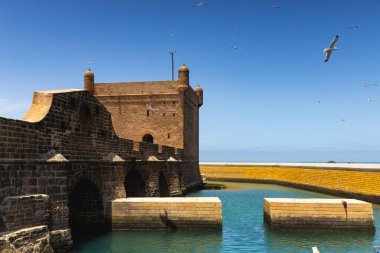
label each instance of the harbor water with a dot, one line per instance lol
(243, 230)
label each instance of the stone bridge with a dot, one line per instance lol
(62, 166)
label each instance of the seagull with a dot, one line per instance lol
(237, 31)
(331, 48)
(370, 100)
(366, 85)
(353, 27)
(319, 101)
(275, 6)
(151, 108)
(235, 47)
(342, 120)
(200, 4)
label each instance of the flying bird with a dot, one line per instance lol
(200, 4)
(331, 48)
(353, 27)
(273, 6)
(370, 100)
(342, 120)
(366, 85)
(237, 31)
(235, 47)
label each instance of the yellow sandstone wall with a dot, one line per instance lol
(331, 214)
(187, 213)
(347, 183)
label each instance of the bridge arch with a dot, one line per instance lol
(86, 209)
(134, 184)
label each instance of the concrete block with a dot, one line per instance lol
(287, 213)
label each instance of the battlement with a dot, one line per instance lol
(74, 124)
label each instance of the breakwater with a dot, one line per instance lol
(359, 181)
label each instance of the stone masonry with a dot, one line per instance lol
(311, 214)
(63, 164)
(189, 213)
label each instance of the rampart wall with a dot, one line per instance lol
(359, 182)
(65, 163)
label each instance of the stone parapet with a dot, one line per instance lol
(167, 214)
(310, 214)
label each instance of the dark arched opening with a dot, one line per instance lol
(164, 189)
(134, 184)
(86, 212)
(148, 138)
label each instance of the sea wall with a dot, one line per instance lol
(311, 214)
(190, 213)
(359, 181)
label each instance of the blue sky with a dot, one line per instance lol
(260, 102)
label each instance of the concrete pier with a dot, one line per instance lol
(306, 214)
(167, 213)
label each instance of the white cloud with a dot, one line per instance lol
(13, 109)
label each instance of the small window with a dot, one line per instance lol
(147, 113)
(148, 138)
(163, 114)
(164, 103)
(173, 114)
(173, 102)
(168, 135)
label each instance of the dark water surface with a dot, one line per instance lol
(243, 229)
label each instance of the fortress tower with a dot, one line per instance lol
(161, 112)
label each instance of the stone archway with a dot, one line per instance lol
(163, 185)
(86, 210)
(134, 184)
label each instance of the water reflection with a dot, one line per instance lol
(142, 241)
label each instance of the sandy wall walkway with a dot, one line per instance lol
(360, 181)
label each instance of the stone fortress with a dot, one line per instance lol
(77, 150)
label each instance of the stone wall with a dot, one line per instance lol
(24, 211)
(34, 239)
(167, 213)
(344, 182)
(76, 126)
(65, 145)
(311, 214)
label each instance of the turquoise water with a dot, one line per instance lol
(243, 230)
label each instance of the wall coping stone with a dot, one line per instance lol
(170, 200)
(327, 166)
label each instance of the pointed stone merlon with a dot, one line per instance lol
(171, 159)
(309, 214)
(180, 213)
(112, 157)
(54, 156)
(153, 158)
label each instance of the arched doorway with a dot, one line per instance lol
(164, 189)
(134, 184)
(148, 138)
(86, 211)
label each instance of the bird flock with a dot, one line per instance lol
(327, 51)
